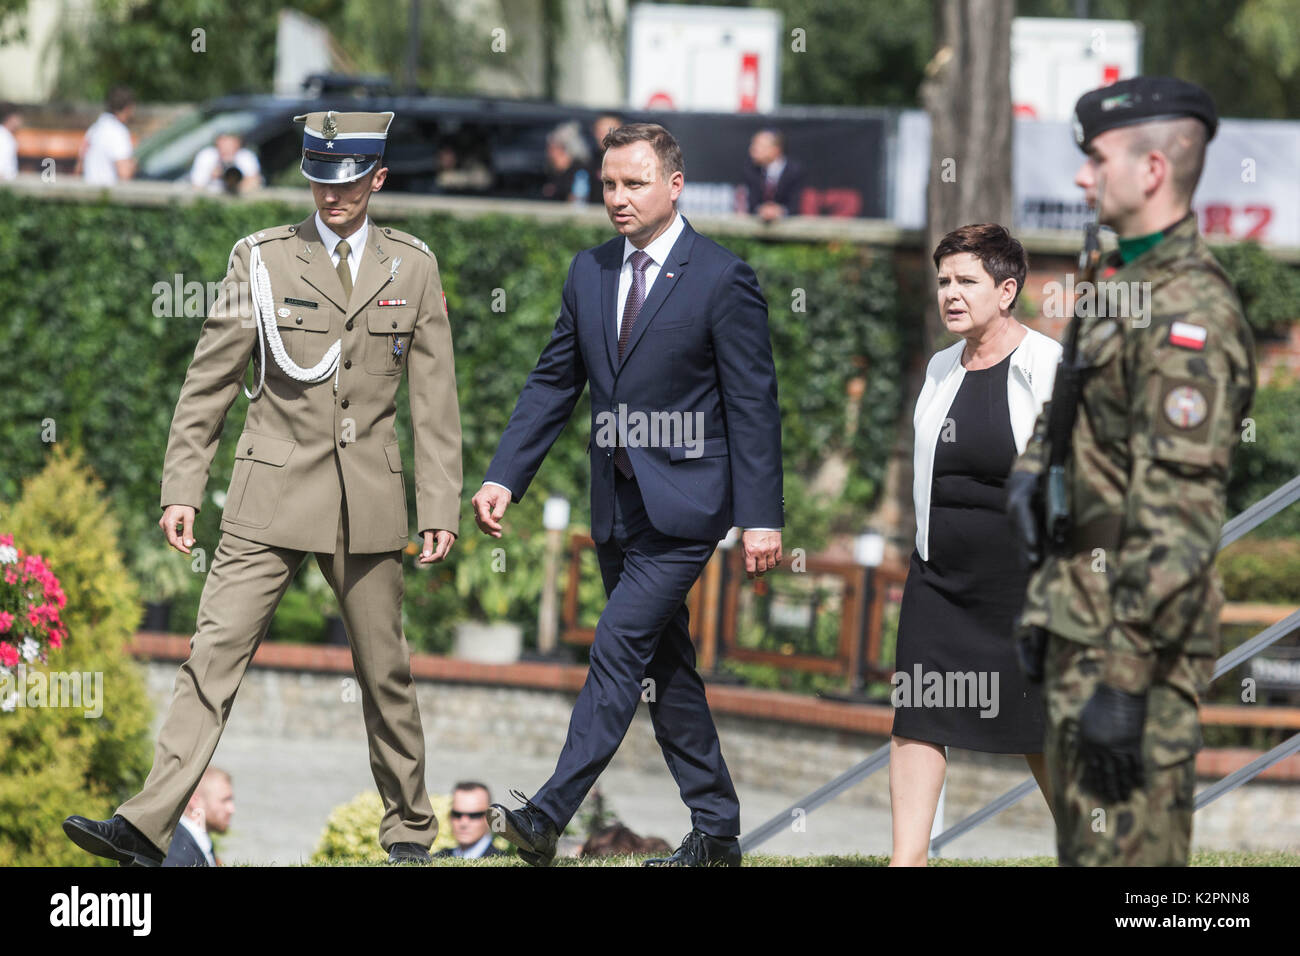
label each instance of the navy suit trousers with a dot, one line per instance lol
(643, 651)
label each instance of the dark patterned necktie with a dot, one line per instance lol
(631, 309)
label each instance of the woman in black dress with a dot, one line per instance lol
(957, 681)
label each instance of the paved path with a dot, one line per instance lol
(285, 790)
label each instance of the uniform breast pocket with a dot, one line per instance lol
(304, 333)
(389, 330)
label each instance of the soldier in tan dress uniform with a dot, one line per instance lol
(331, 311)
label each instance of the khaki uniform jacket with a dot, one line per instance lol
(305, 447)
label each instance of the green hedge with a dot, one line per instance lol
(105, 371)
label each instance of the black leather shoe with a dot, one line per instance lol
(700, 849)
(115, 839)
(529, 829)
(407, 853)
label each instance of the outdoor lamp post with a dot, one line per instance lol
(555, 519)
(868, 554)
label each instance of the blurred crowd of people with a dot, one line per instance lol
(772, 182)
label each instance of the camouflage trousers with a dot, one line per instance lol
(1154, 826)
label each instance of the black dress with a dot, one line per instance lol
(957, 679)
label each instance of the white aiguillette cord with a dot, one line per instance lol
(268, 333)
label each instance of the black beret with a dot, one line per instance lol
(1141, 99)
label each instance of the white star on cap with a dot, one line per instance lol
(330, 144)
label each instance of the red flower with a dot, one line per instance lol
(8, 655)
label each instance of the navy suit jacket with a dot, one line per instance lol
(184, 850)
(699, 347)
(789, 186)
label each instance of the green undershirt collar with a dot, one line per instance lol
(1130, 249)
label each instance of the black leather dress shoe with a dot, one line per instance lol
(115, 839)
(700, 849)
(529, 829)
(407, 853)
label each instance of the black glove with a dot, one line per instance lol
(1031, 648)
(1110, 743)
(1023, 510)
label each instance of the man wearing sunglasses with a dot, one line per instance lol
(469, 804)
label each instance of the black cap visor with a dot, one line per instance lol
(337, 168)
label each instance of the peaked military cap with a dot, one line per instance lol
(342, 147)
(1141, 99)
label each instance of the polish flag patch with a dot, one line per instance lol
(1187, 335)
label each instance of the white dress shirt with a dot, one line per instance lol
(1029, 386)
(657, 251)
(201, 838)
(208, 161)
(356, 243)
(108, 141)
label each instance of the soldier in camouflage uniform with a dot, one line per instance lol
(1123, 622)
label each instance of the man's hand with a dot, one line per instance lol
(490, 503)
(770, 211)
(178, 517)
(1110, 743)
(436, 546)
(762, 551)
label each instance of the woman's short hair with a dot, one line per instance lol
(1001, 254)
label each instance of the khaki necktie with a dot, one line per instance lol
(344, 268)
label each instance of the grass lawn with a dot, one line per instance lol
(1199, 858)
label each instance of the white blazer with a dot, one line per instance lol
(1029, 386)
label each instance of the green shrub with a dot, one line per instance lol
(1268, 456)
(1266, 570)
(1269, 289)
(57, 761)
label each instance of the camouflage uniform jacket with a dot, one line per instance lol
(1163, 397)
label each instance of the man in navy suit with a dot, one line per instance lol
(209, 811)
(670, 331)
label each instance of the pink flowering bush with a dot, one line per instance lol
(30, 601)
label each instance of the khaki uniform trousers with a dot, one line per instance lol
(244, 587)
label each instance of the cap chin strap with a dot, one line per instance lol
(268, 333)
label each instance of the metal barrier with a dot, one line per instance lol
(1238, 526)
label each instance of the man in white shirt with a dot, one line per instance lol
(209, 811)
(11, 120)
(226, 166)
(107, 153)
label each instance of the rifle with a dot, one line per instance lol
(1065, 394)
